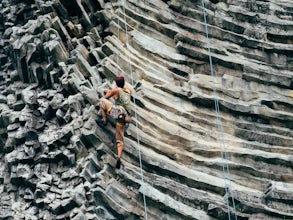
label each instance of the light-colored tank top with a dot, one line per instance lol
(124, 100)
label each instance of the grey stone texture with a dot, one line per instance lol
(58, 56)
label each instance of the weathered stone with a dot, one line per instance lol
(35, 123)
(12, 127)
(11, 99)
(7, 33)
(69, 174)
(57, 50)
(185, 211)
(29, 96)
(15, 156)
(19, 105)
(3, 99)
(80, 216)
(21, 173)
(58, 56)
(57, 101)
(28, 195)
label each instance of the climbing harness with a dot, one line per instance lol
(134, 100)
(225, 166)
(116, 111)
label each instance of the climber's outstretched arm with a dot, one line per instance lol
(109, 93)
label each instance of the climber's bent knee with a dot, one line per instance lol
(105, 104)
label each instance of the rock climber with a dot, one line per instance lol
(120, 111)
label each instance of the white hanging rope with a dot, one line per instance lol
(226, 172)
(118, 34)
(135, 109)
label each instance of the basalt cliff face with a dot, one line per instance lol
(58, 56)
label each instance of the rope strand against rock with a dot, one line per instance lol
(135, 111)
(226, 172)
(118, 18)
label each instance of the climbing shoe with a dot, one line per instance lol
(118, 163)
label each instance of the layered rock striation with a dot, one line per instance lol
(58, 56)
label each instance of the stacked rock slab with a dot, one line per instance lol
(58, 56)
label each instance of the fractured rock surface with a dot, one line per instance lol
(58, 56)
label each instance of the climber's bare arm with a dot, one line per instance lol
(109, 93)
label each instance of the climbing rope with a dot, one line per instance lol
(225, 166)
(135, 108)
(118, 34)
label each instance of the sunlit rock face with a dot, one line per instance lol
(200, 160)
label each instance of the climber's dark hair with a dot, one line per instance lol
(120, 81)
